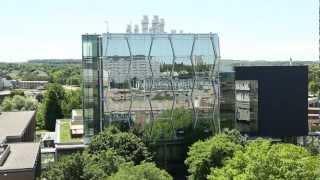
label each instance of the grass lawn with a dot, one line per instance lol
(65, 133)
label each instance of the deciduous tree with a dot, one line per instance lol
(144, 171)
(124, 144)
(211, 153)
(261, 159)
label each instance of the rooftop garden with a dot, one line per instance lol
(65, 132)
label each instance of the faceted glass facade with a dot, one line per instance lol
(163, 84)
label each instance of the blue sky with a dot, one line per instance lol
(248, 29)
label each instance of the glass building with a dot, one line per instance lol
(163, 84)
(92, 85)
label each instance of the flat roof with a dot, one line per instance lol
(313, 115)
(22, 156)
(70, 146)
(35, 81)
(313, 108)
(5, 93)
(14, 123)
(77, 112)
(270, 66)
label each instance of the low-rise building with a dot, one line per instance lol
(69, 137)
(19, 155)
(19, 161)
(5, 84)
(18, 126)
(314, 118)
(48, 149)
(31, 84)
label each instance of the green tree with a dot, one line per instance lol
(6, 104)
(16, 92)
(52, 102)
(101, 165)
(84, 166)
(314, 87)
(58, 76)
(30, 103)
(124, 144)
(211, 153)
(262, 160)
(69, 167)
(144, 171)
(314, 78)
(18, 103)
(40, 115)
(71, 100)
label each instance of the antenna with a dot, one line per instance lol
(107, 25)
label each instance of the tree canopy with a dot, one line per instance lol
(18, 103)
(71, 100)
(261, 159)
(102, 165)
(68, 167)
(120, 155)
(52, 72)
(314, 79)
(211, 153)
(52, 105)
(144, 171)
(124, 144)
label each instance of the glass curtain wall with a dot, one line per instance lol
(92, 85)
(162, 85)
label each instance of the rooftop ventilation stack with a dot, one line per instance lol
(155, 24)
(129, 29)
(136, 28)
(161, 25)
(145, 24)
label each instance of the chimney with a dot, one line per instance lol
(136, 28)
(161, 26)
(145, 24)
(129, 29)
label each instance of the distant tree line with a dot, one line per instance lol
(18, 103)
(55, 73)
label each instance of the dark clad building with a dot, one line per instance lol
(272, 100)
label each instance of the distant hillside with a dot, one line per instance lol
(55, 61)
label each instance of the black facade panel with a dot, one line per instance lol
(283, 98)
